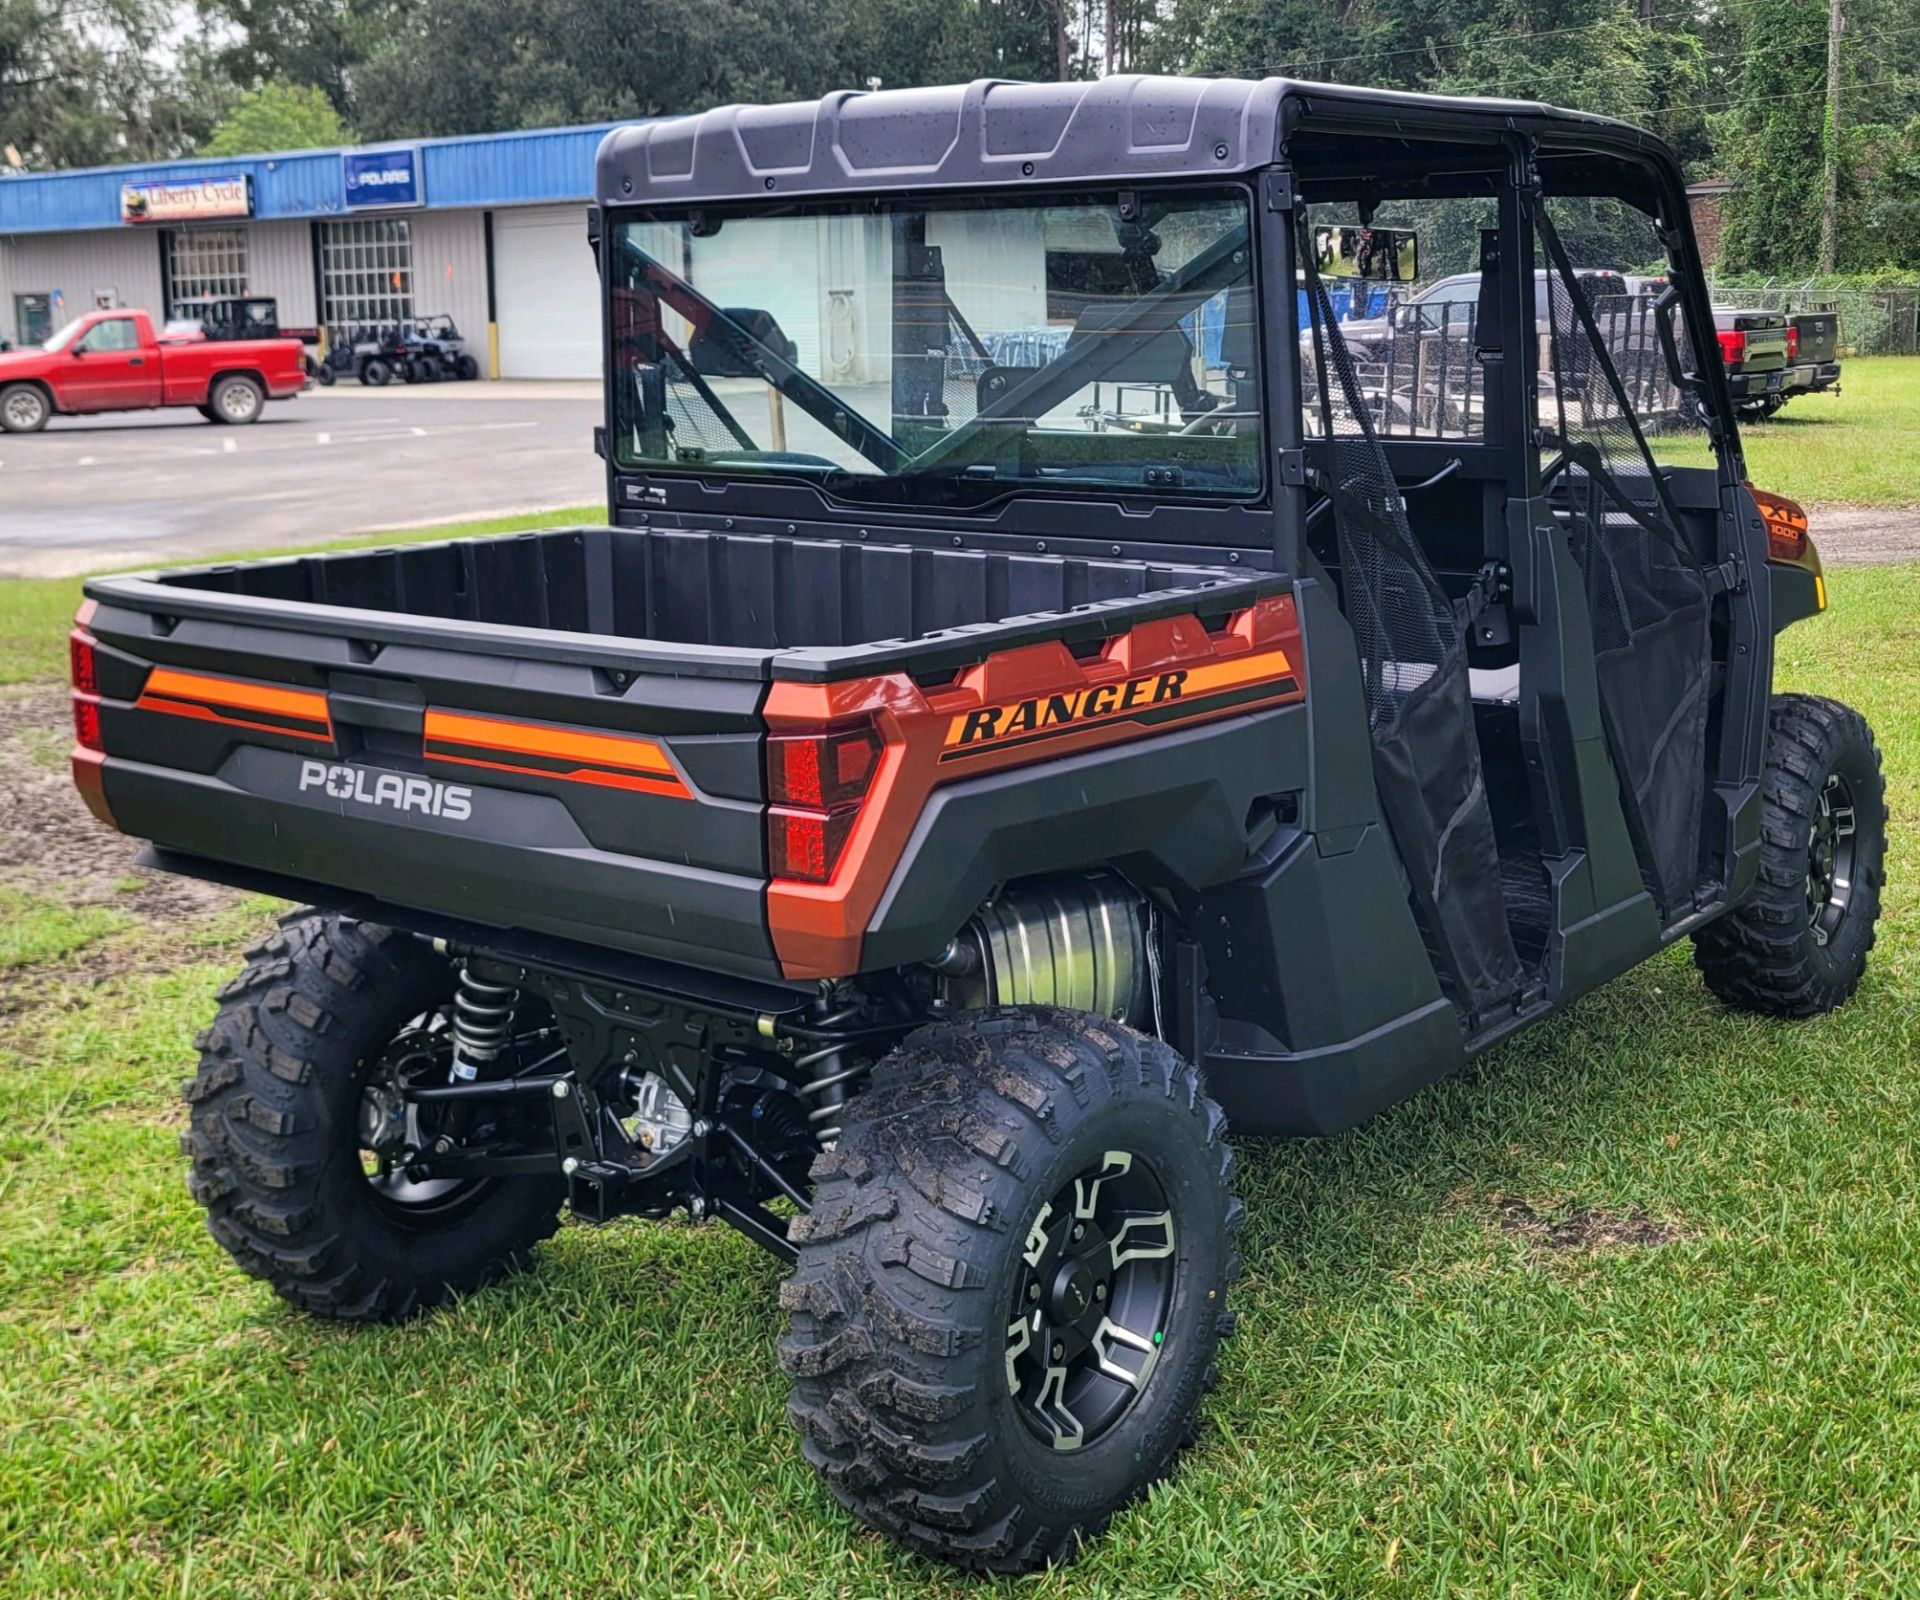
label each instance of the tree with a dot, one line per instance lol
(1770, 138)
(78, 86)
(277, 116)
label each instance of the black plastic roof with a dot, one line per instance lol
(998, 132)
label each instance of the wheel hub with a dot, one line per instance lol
(1830, 859)
(1087, 1323)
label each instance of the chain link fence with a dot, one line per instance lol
(1873, 322)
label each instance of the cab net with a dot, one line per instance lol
(1646, 590)
(1412, 641)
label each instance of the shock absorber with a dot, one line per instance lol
(827, 1072)
(482, 1022)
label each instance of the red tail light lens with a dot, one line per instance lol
(86, 721)
(1733, 348)
(822, 770)
(80, 661)
(816, 782)
(1793, 343)
(807, 844)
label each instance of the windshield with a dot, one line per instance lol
(949, 353)
(65, 335)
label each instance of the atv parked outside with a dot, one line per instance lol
(937, 807)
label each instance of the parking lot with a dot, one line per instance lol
(128, 488)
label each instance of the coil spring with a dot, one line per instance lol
(482, 1022)
(831, 1076)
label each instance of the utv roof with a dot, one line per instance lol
(998, 132)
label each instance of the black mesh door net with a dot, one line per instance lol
(1645, 588)
(1413, 662)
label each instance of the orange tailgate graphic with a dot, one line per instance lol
(259, 707)
(539, 750)
(1036, 702)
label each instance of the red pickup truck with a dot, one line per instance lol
(111, 361)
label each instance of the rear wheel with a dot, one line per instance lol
(24, 408)
(298, 1131)
(1012, 1285)
(424, 369)
(1798, 946)
(236, 399)
(466, 369)
(375, 373)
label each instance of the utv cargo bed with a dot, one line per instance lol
(509, 730)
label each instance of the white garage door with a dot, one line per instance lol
(545, 292)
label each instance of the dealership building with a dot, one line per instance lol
(490, 229)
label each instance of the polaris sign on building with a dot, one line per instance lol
(382, 178)
(489, 229)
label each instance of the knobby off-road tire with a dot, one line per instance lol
(274, 1135)
(912, 1286)
(1798, 945)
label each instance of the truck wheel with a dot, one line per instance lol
(295, 1087)
(24, 408)
(1798, 946)
(236, 399)
(1012, 1285)
(375, 373)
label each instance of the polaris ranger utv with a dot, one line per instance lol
(933, 811)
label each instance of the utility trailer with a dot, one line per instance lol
(934, 809)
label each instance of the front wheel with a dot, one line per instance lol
(298, 1131)
(1011, 1285)
(375, 373)
(466, 368)
(1798, 945)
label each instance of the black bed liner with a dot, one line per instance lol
(691, 601)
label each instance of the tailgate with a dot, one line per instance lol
(1819, 335)
(510, 779)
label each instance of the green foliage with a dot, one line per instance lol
(78, 85)
(1771, 141)
(278, 116)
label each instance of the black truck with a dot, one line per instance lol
(930, 813)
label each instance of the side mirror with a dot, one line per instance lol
(1377, 255)
(76, 352)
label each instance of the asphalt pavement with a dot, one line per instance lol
(133, 487)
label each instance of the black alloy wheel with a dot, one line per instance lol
(1089, 1313)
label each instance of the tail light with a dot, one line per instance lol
(1793, 343)
(1786, 527)
(86, 688)
(817, 782)
(1733, 348)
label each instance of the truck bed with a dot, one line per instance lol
(561, 732)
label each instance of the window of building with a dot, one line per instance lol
(366, 275)
(203, 262)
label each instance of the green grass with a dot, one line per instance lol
(1419, 1402)
(34, 929)
(35, 612)
(1860, 447)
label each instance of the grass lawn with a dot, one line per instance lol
(1430, 1393)
(1859, 447)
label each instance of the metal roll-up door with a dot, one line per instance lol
(546, 293)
